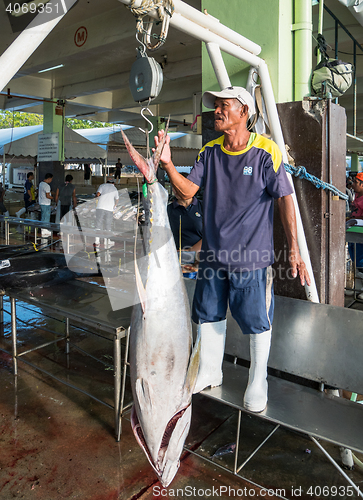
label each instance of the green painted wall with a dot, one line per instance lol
(53, 123)
(302, 28)
(355, 165)
(265, 22)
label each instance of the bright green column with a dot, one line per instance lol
(267, 23)
(53, 122)
(355, 165)
(302, 29)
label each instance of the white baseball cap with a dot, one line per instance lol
(239, 93)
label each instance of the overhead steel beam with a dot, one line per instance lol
(29, 40)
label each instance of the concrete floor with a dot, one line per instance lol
(57, 443)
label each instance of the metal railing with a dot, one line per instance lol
(356, 45)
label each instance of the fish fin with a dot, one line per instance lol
(140, 287)
(192, 373)
(143, 394)
(159, 149)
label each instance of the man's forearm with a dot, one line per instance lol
(288, 219)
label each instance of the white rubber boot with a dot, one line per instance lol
(255, 398)
(20, 212)
(347, 458)
(212, 339)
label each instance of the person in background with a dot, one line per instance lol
(29, 194)
(3, 208)
(87, 173)
(186, 219)
(118, 170)
(350, 192)
(107, 198)
(357, 213)
(67, 196)
(29, 190)
(45, 197)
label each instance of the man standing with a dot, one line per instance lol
(29, 191)
(29, 194)
(357, 213)
(118, 170)
(45, 197)
(67, 196)
(107, 198)
(3, 208)
(242, 173)
(87, 173)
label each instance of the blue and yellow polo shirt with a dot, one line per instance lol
(240, 188)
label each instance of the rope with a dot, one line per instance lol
(165, 9)
(146, 7)
(318, 183)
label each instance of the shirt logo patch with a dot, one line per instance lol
(197, 214)
(247, 170)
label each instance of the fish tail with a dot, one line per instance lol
(144, 166)
(159, 149)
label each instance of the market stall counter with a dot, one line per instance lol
(89, 306)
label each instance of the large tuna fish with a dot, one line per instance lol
(163, 371)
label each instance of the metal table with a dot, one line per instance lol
(26, 223)
(68, 300)
(71, 234)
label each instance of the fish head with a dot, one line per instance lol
(164, 456)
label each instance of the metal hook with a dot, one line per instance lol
(143, 48)
(144, 117)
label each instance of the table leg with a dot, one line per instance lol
(117, 382)
(13, 334)
(356, 291)
(126, 364)
(1, 309)
(67, 335)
